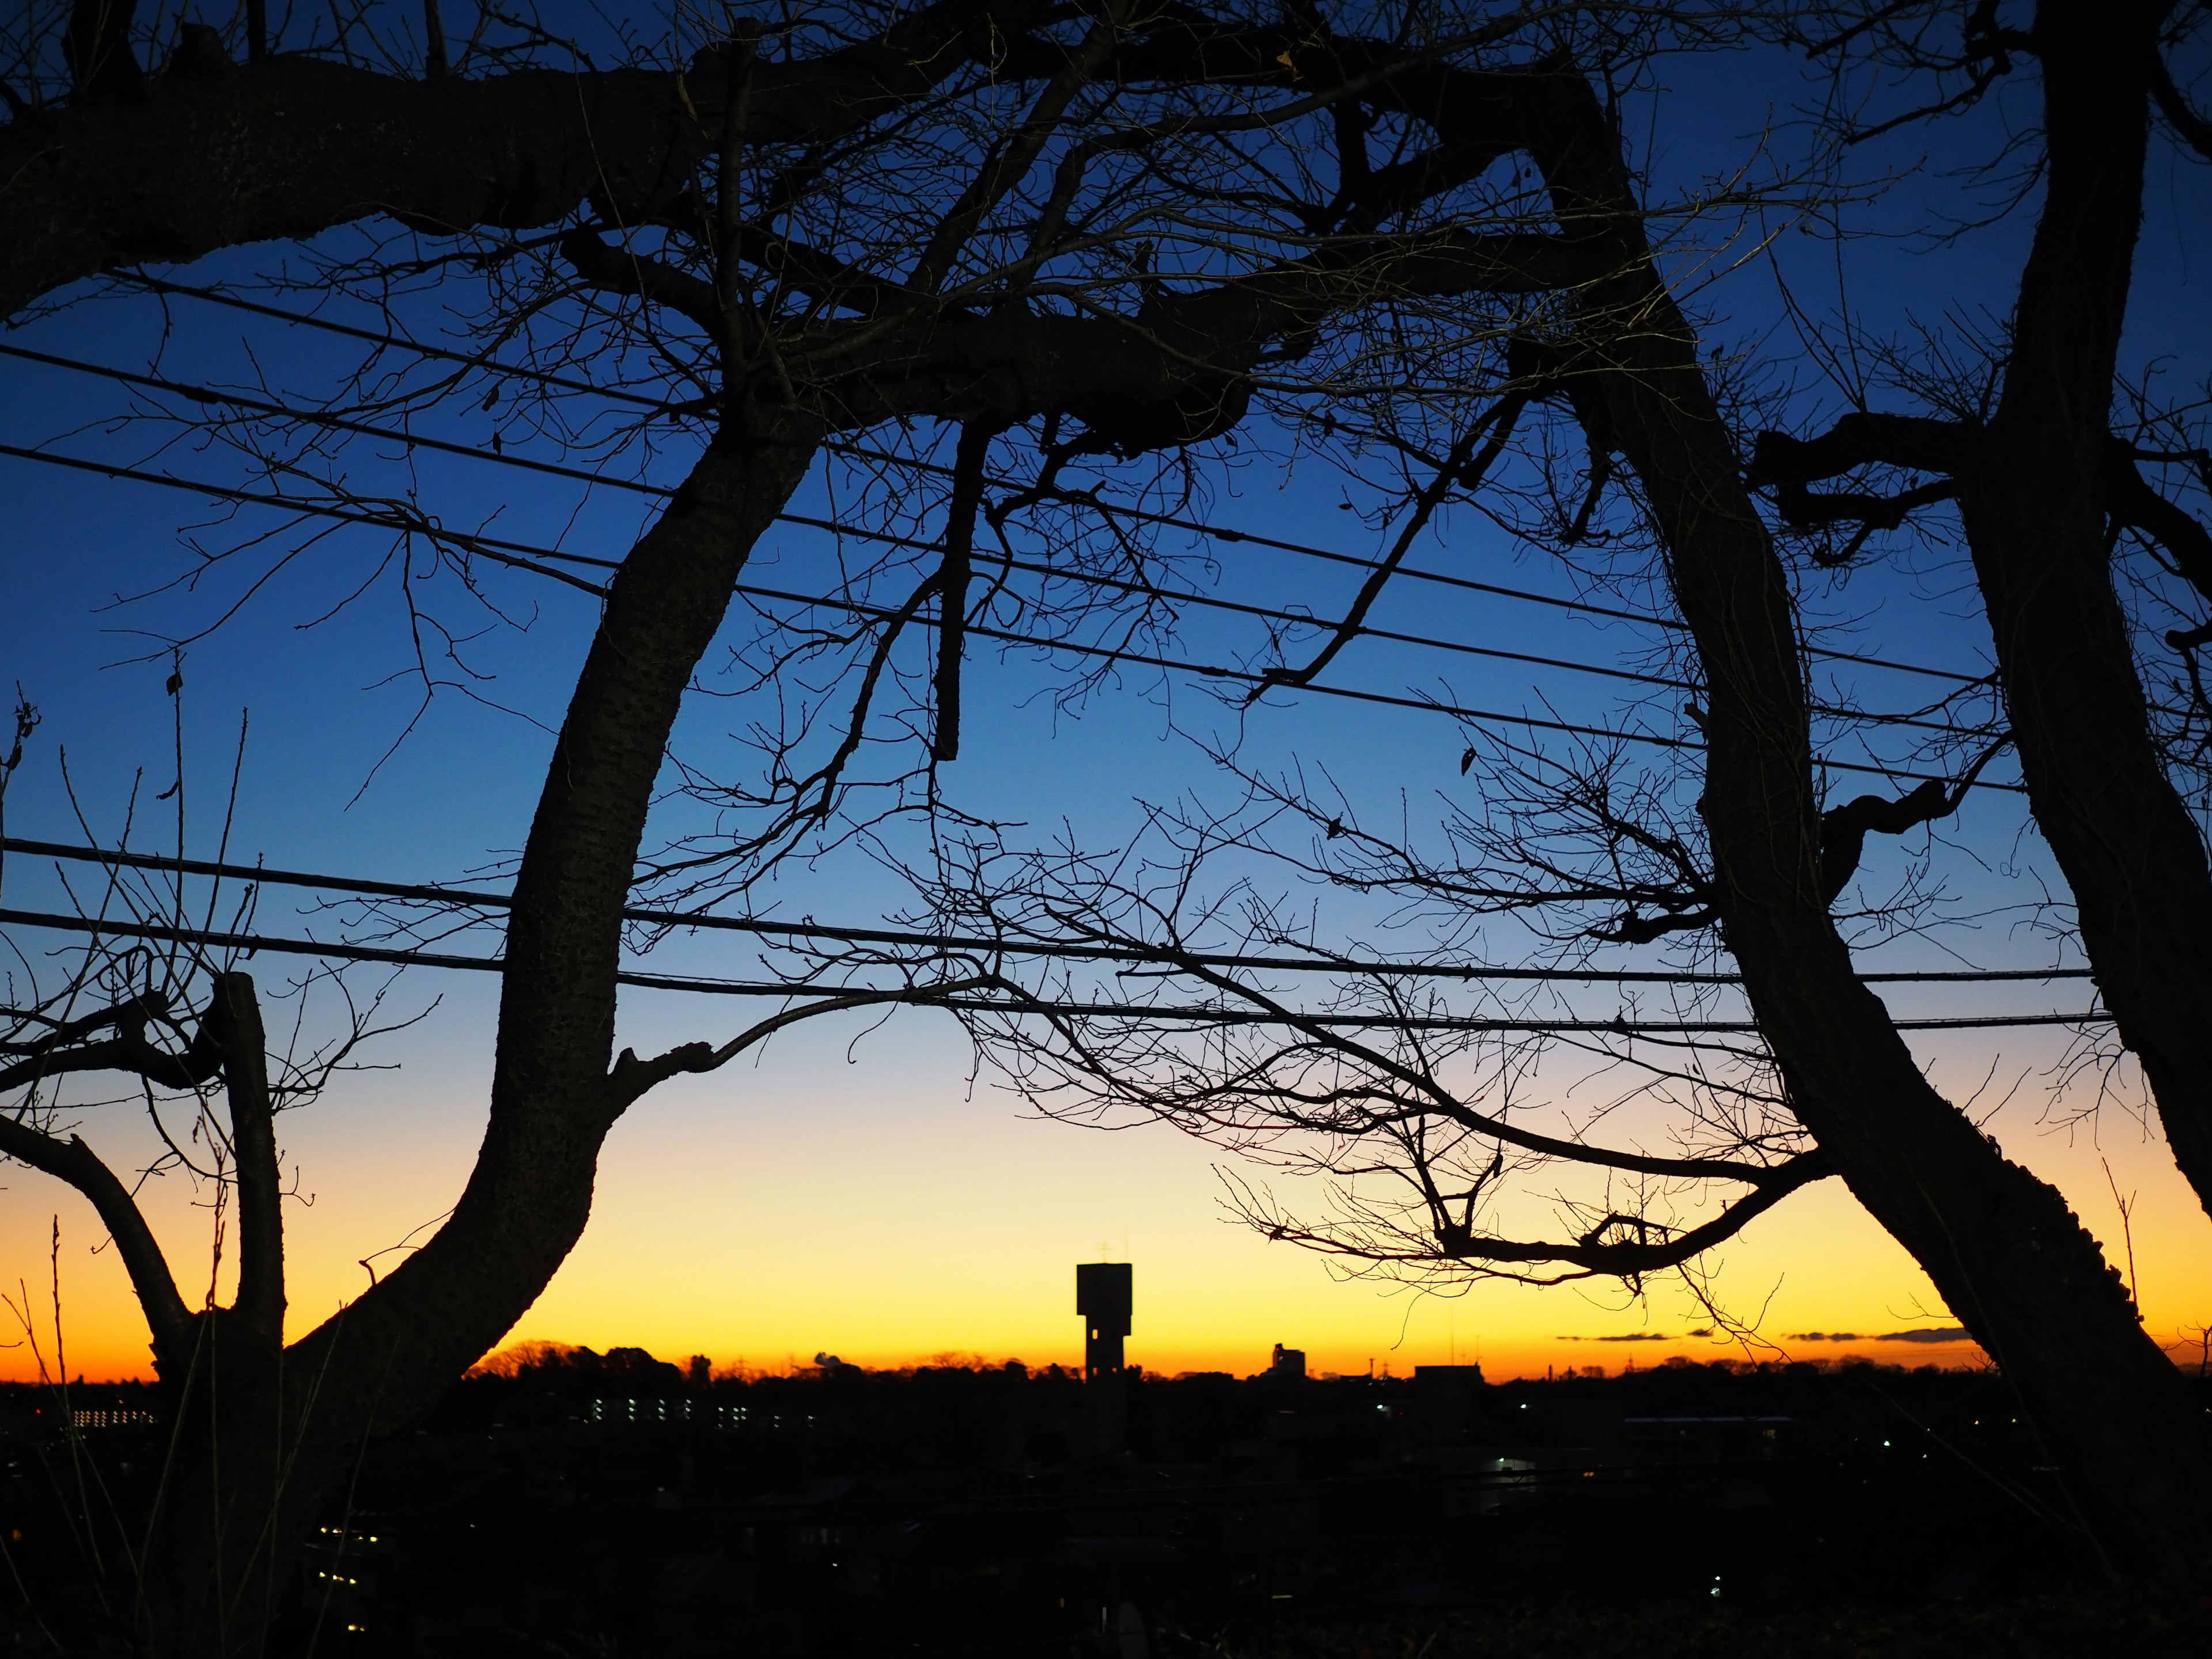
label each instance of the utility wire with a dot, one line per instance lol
(1212, 602)
(1217, 533)
(922, 996)
(1415, 573)
(469, 898)
(535, 558)
(492, 546)
(1388, 700)
(470, 451)
(499, 551)
(208, 394)
(331, 423)
(503, 551)
(881, 613)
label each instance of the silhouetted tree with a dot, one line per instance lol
(2040, 450)
(1375, 1087)
(1066, 237)
(1057, 231)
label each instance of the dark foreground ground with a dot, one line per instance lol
(2035, 1628)
(610, 1505)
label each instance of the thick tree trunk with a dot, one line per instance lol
(2035, 496)
(2011, 1261)
(266, 1436)
(221, 1545)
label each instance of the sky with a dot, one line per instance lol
(859, 1186)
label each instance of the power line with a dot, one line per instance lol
(1385, 699)
(859, 609)
(503, 550)
(490, 547)
(464, 898)
(1415, 572)
(1214, 670)
(387, 338)
(468, 452)
(1212, 602)
(1219, 533)
(506, 551)
(332, 423)
(921, 996)
(1266, 613)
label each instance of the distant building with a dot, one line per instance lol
(1287, 1362)
(1104, 1297)
(1448, 1403)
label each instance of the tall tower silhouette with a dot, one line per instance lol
(1103, 1296)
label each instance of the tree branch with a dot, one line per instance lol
(165, 175)
(631, 1077)
(953, 576)
(1457, 470)
(74, 1162)
(2134, 502)
(619, 271)
(1445, 1105)
(1859, 440)
(128, 1050)
(1593, 1254)
(1634, 929)
(1005, 165)
(98, 49)
(1624, 1258)
(2192, 128)
(1844, 830)
(1802, 508)
(1179, 372)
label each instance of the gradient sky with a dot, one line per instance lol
(853, 1190)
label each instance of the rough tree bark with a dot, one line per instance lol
(2042, 488)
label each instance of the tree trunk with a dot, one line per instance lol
(2035, 496)
(2011, 1261)
(221, 1544)
(267, 1437)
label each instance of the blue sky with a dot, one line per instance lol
(875, 1191)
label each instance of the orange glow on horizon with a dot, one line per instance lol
(802, 1209)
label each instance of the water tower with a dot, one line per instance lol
(1103, 1296)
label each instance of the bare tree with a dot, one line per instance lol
(2072, 488)
(1377, 1087)
(1075, 235)
(1063, 238)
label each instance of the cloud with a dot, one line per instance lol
(1632, 1336)
(1940, 1333)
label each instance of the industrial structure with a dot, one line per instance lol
(1103, 1296)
